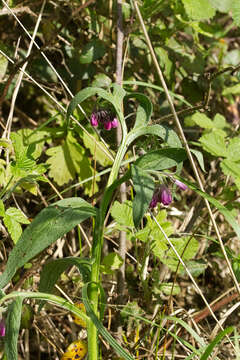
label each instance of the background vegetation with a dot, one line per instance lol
(161, 301)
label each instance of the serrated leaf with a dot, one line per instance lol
(235, 7)
(60, 171)
(122, 213)
(101, 81)
(186, 253)
(161, 159)
(202, 120)
(112, 261)
(68, 160)
(199, 10)
(214, 143)
(96, 150)
(93, 50)
(144, 186)
(233, 149)
(152, 233)
(12, 328)
(17, 215)
(196, 267)
(14, 228)
(231, 168)
(48, 226)
(219, 122)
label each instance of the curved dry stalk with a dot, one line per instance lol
(180, 129)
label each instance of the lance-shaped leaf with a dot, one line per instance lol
(52, 270)
(161, 159)
(12, 328)
(144, 109)
(144, 186)
(48, 226)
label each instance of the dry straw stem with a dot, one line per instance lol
(178, 124)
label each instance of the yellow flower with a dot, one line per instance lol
(75, 351)
(77, 319)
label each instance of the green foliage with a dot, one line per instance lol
(50, 224)
(199, 10)
(12, 328)
(111, 262)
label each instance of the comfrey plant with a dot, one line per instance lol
(59, 218)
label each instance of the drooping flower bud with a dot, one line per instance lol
(154, 201)
(165, 195)
(181, 185)
(107, 125)
(94, 119)
(114, 123)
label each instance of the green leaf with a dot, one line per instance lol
(101, 81)
(209, 350)
(68, 160)
(219, 122)
(235, 7)
(17, 215)
(221, 5)
(11, 219)
(151, 233)
(161, 159)
(202, 120)
(12, 328)
(144, 109)
(92, 51)
(230, 168)
(122, 213)
(52, 271)
(96, 148)
(185, 248)
(144, 186)
(214, 143)
(2, 208)
(196, 267)
(112, 261)
(14, 228)
(231, 90)
(167, 289)
(199, 10)
(48, 226)
(233, 149)
(199, 157)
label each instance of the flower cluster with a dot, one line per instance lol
(106, 117)
(163, 195)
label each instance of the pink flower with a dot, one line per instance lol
(105, 117)
(114, 123)
(107, 125)
(165, 195)
(181, 185)
(94, 119)
(2, 327)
